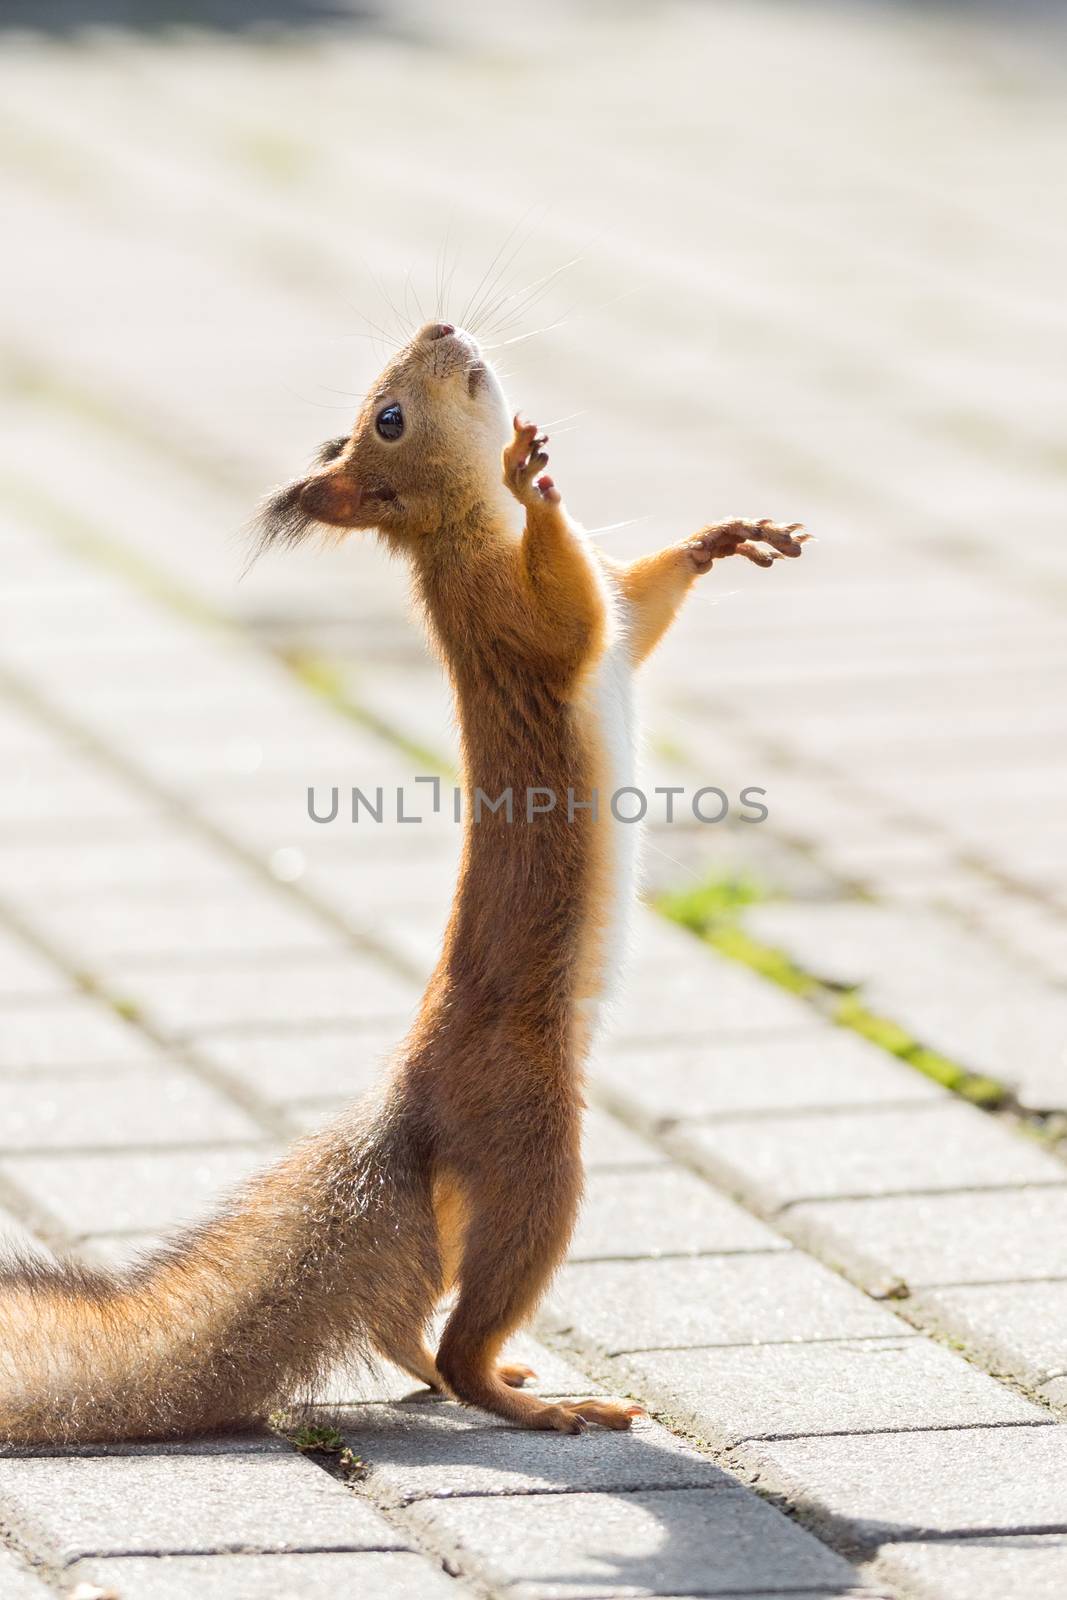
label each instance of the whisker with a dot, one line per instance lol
(536, 288)
(321, 405)
(473, 305)
(575, 310)
(405, 331)
(647, 844)
(571, 415)
(520, 338)
(409, 285)
(378, 334)
(378, 329)
(617, 527)
(441, 266)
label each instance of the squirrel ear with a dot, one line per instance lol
(332, 496)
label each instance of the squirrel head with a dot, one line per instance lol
(424, 452)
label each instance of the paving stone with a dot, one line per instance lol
(132, 1505)
(155, 856)
(138, 930)
(65, 791)
(662, 1211)
(608, 1143)
(884, 1487)
(1019, 1329)
(246, 1441)
(151, 1107)
(366, 889)
(285, 1066)
(686, 1541)
(882, 672)
(19, 1581)
(416, 936)
(926, 1240)
(371, 1574)
(817, 1066)
(16, 1237)
(76, 1032)
(952, 989)
(777, 1161)
(308, 1116)
(852, 942)
(189, 999)
(1006, 1024)
(1028, 1567)
(1054, 1394)
(439, 1451)
(133, 1193)
(25, 973)
(725, 1300)
(683, 998)
(839, 1386)
(117, 1250)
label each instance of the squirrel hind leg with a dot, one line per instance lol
(415, 1358)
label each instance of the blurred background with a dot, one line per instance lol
(803, 261)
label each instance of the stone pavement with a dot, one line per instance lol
(824, 1238)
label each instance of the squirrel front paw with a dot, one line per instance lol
(741, 538)
(523, 460)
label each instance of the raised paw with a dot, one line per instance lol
(514, 1374)
(523, 460)
(742, 538)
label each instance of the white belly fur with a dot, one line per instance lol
(608, 703)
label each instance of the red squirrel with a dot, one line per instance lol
(462, 1173)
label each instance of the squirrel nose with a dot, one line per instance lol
(438, 330)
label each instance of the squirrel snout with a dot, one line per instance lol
(437, 330)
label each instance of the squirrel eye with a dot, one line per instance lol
(390, 422)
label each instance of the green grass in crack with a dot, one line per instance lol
(313, 1439)
(713, 911)
(980, 1090)
(700, 909)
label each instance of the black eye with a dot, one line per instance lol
(390, 422)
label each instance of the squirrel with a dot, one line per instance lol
(462, 1173)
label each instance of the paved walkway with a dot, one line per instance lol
(825, 1232)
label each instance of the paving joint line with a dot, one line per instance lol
(173, 1048)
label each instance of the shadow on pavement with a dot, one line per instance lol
(150, 16)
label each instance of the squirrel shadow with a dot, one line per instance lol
(427, 1452)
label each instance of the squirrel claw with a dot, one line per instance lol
(605, 1413)
(748, 539)
(523, 460)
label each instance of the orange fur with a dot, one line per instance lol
(464, 1170)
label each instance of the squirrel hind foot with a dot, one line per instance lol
(605, 1413)
(514, 1374)
(575, 1416)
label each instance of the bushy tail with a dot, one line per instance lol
(313, 1262)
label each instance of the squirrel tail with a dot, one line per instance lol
(326, 1256)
